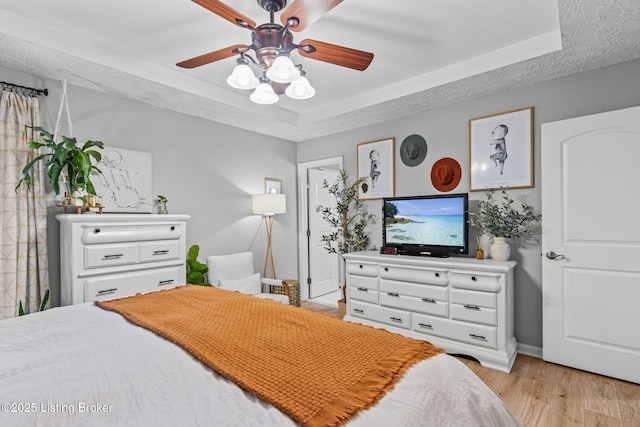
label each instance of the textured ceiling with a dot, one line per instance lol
(425, 57)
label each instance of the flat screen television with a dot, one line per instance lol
(427, 225)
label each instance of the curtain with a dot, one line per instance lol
(24, 273)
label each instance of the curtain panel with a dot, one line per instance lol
(24, 273)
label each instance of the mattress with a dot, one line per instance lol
(81, 365)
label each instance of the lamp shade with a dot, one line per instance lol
(264, 94)
(282, 70)
(243, 78)
(268, 204)
(300, 89)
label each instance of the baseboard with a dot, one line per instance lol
(530, 350)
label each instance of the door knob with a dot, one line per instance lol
(555, 256)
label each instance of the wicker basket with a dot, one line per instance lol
(342, 308)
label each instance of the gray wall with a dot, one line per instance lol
(446, 132)
(205, 169)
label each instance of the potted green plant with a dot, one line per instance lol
(503, 220)
(348, 219)
(65, 159)
(196, 271)
(163, 201)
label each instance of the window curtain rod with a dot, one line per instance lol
(24, 90)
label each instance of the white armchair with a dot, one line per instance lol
(235, 272)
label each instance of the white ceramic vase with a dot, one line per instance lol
(500, 249)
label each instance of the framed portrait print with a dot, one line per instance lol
(501, 150)
(375, 162)
(272, 186)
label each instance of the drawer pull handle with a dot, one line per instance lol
(395, 319)
(478, 337)
(437, 274)
(107, 291)
(363, 289)
(386, 269)
(393, 294)
(425, 325)
(162, 252)
(96, 230)
(165, 282)
(471, 307)
(173, 227)
(114, 256)
(431, 300)
(361, 266)
(357, 310)
(474, 279)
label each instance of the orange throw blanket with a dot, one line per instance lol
(317, 369)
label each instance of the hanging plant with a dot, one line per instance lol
(65, 158)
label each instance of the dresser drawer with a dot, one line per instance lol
(478, 282)
(120, 233)
(363, 282)
(364, 294)
(362, 269)
(110, 255)
(398, 318)
(422, 305)
(126, 284)
(482, 299)
(416, 275)
(159, 251)
(414, 290)
(484, 336)
(474, 313)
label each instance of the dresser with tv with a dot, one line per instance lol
(461, 304)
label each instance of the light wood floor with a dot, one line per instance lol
(542, 394)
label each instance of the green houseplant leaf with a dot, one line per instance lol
(196, 271)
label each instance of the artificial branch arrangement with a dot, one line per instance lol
(348, 218)
(504, 219)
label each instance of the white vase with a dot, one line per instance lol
(500, 249)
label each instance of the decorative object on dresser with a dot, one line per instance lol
(501, 150)
(268, 205)
(67, 164)
(234, 272)
(375, 161)
(463, 305)
(272, 186)
(163, 204)
(112, 256)
(196, 271)
(348, 218)
(503, 220)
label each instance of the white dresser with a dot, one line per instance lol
(463, 305)
(115, 255)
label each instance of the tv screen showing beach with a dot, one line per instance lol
(435, 222)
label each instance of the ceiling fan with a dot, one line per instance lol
(272, 45)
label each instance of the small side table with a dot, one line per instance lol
(294, 291)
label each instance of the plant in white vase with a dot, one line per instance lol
(503, 220)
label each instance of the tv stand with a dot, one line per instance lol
(463, 305)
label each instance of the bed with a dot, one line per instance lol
(86, 365)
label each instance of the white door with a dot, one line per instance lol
(323, 266)
(591, 243)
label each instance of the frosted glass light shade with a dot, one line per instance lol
(264, 94)
(300, 89)
(268, 204)
(243, 78)
(282, 70)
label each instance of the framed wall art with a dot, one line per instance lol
(375, 162)
(125, 183)
(272, 186)
(501, 150)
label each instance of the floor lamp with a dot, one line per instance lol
(268, 205)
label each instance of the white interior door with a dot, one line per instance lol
(591, 221)
(323, 266)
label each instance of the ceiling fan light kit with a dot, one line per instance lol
(272, 45)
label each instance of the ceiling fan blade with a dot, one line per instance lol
(307, 12)
(224, 11)
(338, 55)
(211, 56)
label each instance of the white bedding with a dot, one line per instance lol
(81, 365)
